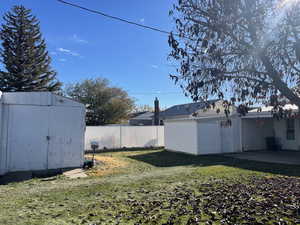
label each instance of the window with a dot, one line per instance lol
(290, 129)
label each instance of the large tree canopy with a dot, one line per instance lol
(105, 104)
(24, 55)
(244, 51)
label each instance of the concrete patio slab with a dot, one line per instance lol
(74, 174)
(281, 157)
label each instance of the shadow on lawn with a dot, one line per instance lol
(170, 159)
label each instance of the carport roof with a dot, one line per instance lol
(266, 112)
(270, 108)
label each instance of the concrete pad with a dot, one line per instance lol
(280, 157)
(74, 174)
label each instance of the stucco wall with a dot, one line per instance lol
(114, 137)
(181, 136)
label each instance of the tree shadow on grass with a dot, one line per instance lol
(171, 159)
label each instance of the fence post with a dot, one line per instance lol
(120, 137)
(156, 136)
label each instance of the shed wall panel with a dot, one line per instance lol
(27, 98)
(66, 142)
(3, 138)
(34, 131)
(63, 101)
(209, 138)
(27, 137)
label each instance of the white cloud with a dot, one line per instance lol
(142, 20)
(68, 52)
(154, 66)
(62, 60)
(77, 39)
(53, 53)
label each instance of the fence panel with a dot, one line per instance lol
(114, 137)
(108, 137)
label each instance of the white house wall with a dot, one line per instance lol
(280, 132)
(231, 136)
(181, 136)
(209, 137)
(254, 132)
(237, 134)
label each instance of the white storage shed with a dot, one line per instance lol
(40, 131)
(201, 136)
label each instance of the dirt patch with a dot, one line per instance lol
(107, 166)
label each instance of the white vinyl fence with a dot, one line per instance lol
(115, 137)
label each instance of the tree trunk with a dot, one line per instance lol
(278, 83)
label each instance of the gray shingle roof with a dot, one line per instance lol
(185, 109)
(144, 116)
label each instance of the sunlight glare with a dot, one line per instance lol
(286, 3)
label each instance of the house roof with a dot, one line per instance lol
(144, 116)
(185, 109)
(270, 108)
(266, 112)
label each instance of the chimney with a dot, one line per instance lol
(156, 112)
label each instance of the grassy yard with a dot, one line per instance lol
(159, 187)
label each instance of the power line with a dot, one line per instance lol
(154, 93)
(116, 18)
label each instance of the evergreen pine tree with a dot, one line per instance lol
(24, 55)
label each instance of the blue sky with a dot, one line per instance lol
(84, 45)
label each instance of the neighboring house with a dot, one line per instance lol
(198, 109)
(190, 110)
(142, 119)
(219, 134)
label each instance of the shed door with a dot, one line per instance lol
(27, 137)
(227, 139)
(66, 137)
(209, 138)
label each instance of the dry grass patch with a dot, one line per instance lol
(107, 165)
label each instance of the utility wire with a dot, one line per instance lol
(116, 18)
(155, 93)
